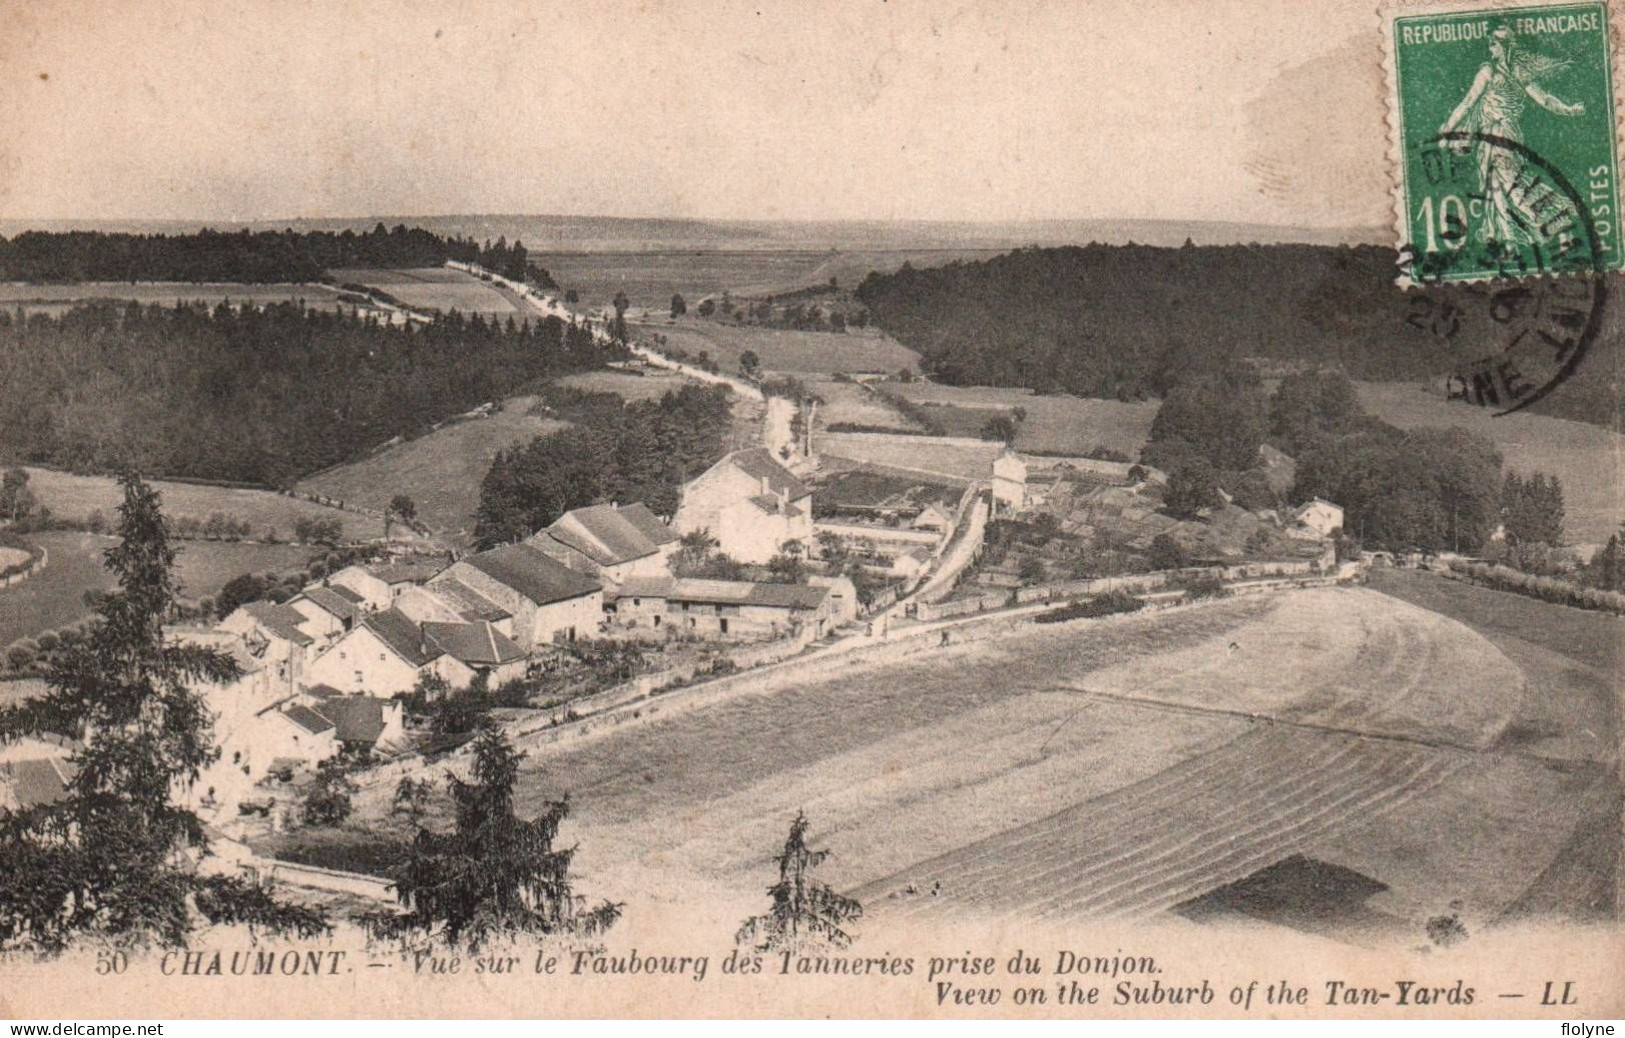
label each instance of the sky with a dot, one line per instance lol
(1261, 111)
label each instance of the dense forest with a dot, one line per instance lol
(254, 394)
(1130, 321)
(612, 451)
(244, 256)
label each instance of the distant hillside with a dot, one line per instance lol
(621, 234)
(1128, 321)
(252, 257)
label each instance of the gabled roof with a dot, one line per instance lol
(308, 719)
(479, 645)
(528, 571)
(646, 587)
(354, 718)
(281, 620)
(758, 463)
(469, 603)
(328, 598)
(347, 592)
(730, 592)
(608, 535)
(787, 596)
(396, 630)
(408, 571)
(637, 513)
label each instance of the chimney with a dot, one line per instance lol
(767, 486)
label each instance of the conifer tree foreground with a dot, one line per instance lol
(496, 875)
(110, 859)
(804, 910)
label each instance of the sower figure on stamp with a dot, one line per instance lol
(1493, 112)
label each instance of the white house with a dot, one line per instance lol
(1009, 481)
(1315, 520)
(548, 601)
(612, 542)
(378, 584)
(750, 503)
(728, 609)
(274, 635)
(329, 611)
(911, 563)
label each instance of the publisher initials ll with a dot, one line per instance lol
(1546, 998)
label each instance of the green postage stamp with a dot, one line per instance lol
(1504, 144)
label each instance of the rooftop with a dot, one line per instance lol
(354, 718)
(329, 598)
(308, 719)
(478, 644)
(527, 570)
(281, 620)
(469, 603)
(396, 630)
(758, 463)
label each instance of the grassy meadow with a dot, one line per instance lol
(440, 471)
(55, 596)
(76, 497)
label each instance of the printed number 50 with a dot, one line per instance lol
(116, 962)
(1447, 222)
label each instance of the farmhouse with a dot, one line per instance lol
(275, 636)
(911, 563)
(1315, 520)
(548, 600)
(388, 652)
(728, 609)
(609, 542)
(750, 503)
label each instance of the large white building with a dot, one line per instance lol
(751, 504)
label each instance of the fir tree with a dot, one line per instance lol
(496, 875)
(804, 910)
(108, 860)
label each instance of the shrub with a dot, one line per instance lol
(1101, 605)
(1205, 584)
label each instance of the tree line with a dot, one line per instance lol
(612, 451)
(257, 257)
(262, 394)
(1127, 322)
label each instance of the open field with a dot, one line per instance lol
(850, 402)
(649, 386)
(436, 288)
(75, 497)
(802, 353)
(1590, 460)
(55, 596)
(1054, 424)
(57, 298)
(1030, 775)
(650, 279)
(440, 471)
